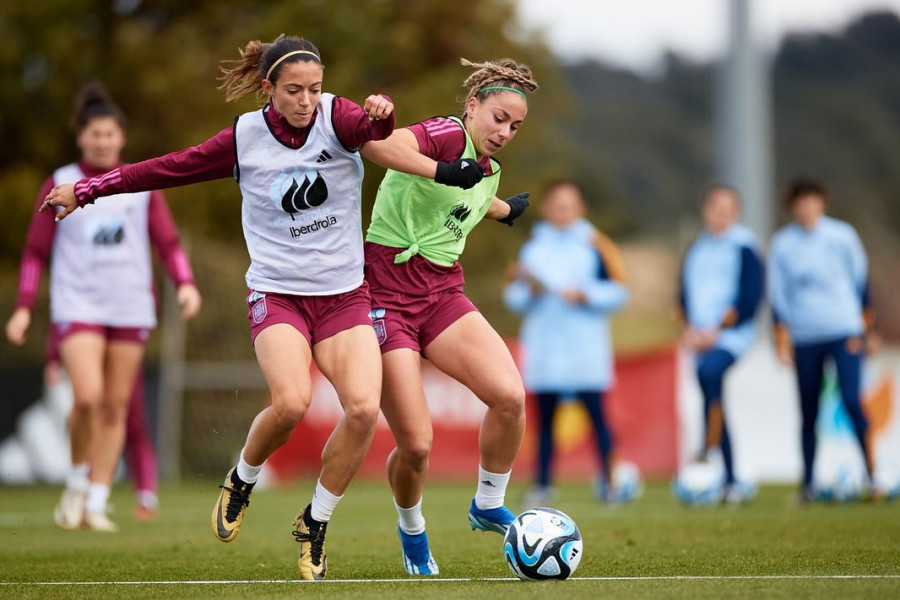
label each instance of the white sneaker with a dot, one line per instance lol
(99, 522)
(69, 512)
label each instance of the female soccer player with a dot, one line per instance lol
(818, 289)
(721, 288)
(569, 279)
(101, 302)
(299, 171)
(418, 231)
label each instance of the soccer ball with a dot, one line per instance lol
(843, 483)
(627, 484)
(543, 543)
(699, 484)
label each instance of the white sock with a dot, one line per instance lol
(411, 519)
(77, 479)
(491, 489)
(323, 504)
(247, 473)
(97, 495)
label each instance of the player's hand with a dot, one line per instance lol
(707, 339)
(872, 343)
(463, 173)
(378, 107)
(53, 371)
(62, 196)
(690, 338)
(785, 354)
(517, 206)
(574, 296)
(189, 300)
(18, 325)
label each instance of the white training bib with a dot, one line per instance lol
(301, 210)
(100, 267)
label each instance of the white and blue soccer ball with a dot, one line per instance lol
(543, 543)
(699, 483)
(626, 483)
(842, 483)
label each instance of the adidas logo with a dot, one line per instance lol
(464, 165)
(323, 156)
(488, 483)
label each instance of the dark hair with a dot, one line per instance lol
(804, 186)
(245, 75)
(93, 101)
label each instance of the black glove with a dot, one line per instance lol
(517, 206)
(464, 173)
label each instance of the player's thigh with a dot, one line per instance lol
(83, 354)
(403, 400)
(471, 352)
(123, 362)
(351, 361)
(284, 358)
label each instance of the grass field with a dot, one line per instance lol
(653, 548)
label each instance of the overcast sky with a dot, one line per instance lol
(636, 33)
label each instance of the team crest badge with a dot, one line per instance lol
(259, 311)
(377, 316)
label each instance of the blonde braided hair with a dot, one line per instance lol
(501, 73)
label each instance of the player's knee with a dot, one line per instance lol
(416, 451)
(112, 413)
(511, 400)
(362, 414)
(87, 400)
(83, 412)
(289, 410)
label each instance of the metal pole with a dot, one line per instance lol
(171, 386)
(743, 121)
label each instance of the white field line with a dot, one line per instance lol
(443, 580)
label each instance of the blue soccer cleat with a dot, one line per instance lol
(492, 519)
(417, 558)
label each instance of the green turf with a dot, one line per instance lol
(653, 537)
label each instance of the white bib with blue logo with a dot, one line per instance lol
(101, 271)
(301, 210)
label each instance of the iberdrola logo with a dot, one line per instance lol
(297, 191)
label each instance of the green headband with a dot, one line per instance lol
(503, 87)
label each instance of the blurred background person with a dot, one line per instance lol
(569, 278)
(102, 304)
(818, 289)
(721, 289)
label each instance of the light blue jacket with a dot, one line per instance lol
(723, 274)
(566, 347)
(817, 281)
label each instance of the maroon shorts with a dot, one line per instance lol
(413, 302)
(316, 317)
(60, 331)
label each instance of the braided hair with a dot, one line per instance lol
(501, 73)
